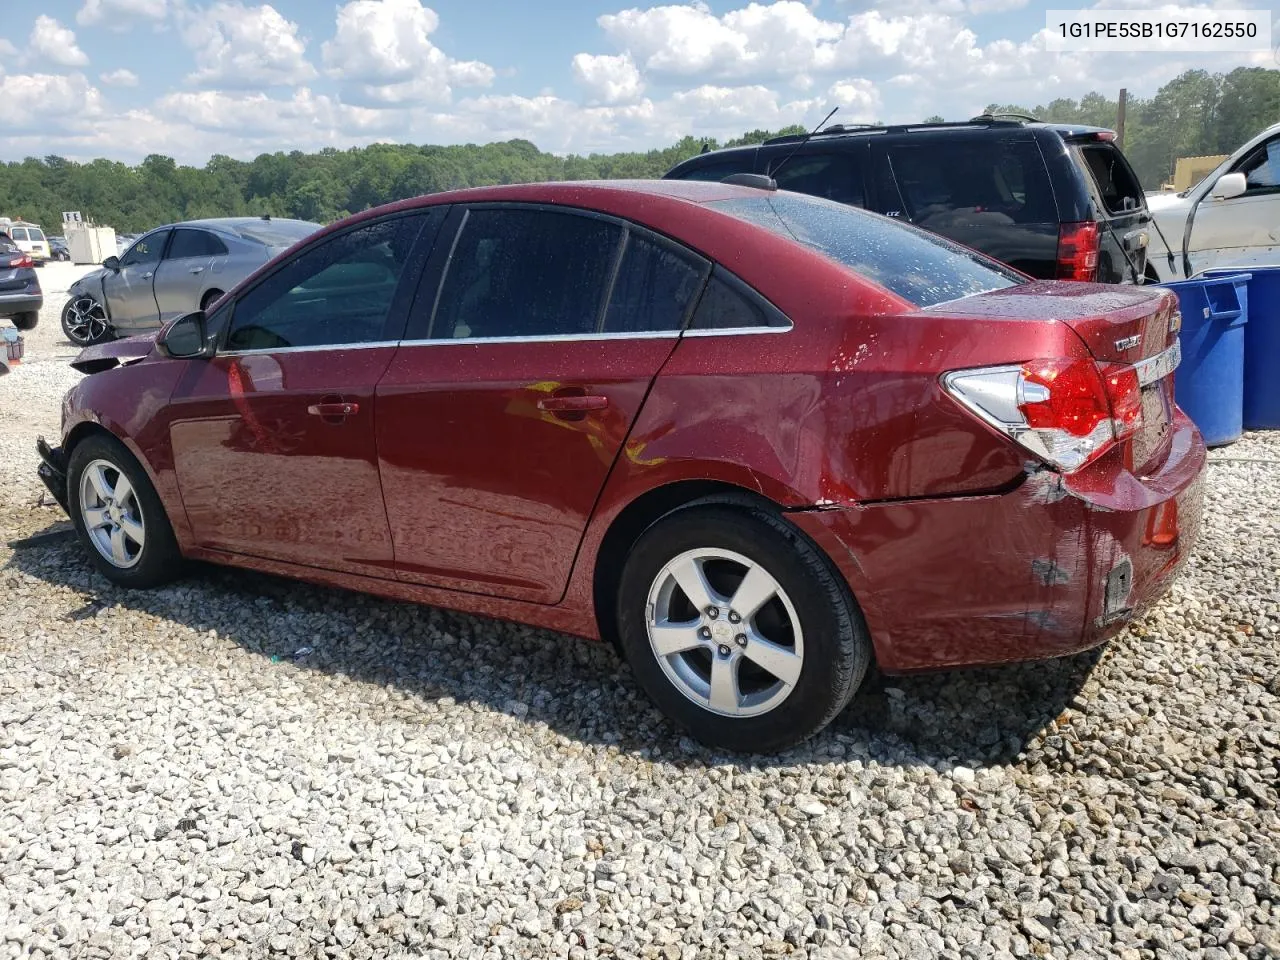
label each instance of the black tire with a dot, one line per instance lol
(76, 329)
(208, 298)
(27, 321)
(158, 561)
(836, 645)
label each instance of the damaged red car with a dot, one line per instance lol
(755, 439)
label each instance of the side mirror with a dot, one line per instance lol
(1229, 185)
(185, 338)
(111, 263)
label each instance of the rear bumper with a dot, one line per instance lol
(14, 303)
(1048, 569)
(53, 471)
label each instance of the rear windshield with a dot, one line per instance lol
(1118, 188)
(979, 181)
(919, 267)
(278, 233)
(35, 233)
(19, 233)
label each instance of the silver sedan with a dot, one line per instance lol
(173, 270)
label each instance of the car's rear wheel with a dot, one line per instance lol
(27, 321)
(84, 321)
(118, 516)
(739, 628)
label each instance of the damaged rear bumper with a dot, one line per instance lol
(53, 471)
(1051, 568)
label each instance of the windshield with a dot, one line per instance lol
(920, 267)
(278, 233)
(36, 233)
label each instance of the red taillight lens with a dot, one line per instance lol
(20, 260)
(1078, 251)
(1073, 397)
(1124, 393)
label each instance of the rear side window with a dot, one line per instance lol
(976, 181)
(835, 176)
(526, 273)
(920, 267)
(1118, 188)
(715, 172)
(195, 243)
(729, 304)
(7, 245)
(655, 286)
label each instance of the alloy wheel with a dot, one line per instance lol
(725, 632)
(86, 320)
(112, 514)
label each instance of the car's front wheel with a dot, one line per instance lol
(84, 321)
(739, 628)
(118, 516)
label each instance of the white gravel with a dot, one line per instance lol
(175, 782)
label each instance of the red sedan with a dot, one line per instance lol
(753, 438)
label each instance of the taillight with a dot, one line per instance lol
(1067, 412)
(21, 260)
(1078, 251)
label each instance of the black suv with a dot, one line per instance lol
(1055, 201)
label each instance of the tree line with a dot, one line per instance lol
(1197, 113)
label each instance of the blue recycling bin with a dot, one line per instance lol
(1209, 384)
(1261, 347)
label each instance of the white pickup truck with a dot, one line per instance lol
(1231, 218)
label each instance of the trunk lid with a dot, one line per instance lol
(1125, 325)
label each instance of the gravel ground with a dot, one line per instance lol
(180, 777)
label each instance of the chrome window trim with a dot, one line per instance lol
(547, 338)
(370, 345)
(737, 331)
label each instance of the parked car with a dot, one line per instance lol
(1056, 201)
(20, 295)
(170, 271)
(29, 238)
(753, 437)
(1231, 218)
(58, 249)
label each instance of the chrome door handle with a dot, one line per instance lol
(572, 404)
(340, 408)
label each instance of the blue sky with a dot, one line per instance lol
(189, 78)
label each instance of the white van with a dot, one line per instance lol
(28, 237)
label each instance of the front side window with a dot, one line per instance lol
(1261, 168)
(922, 268)
(146, 250)
(526, 273)
(338, 292)
(195, 243)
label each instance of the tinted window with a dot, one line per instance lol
(654, 288)
(7, 245)
(1261, 168)
(195, 243)
(715, 172)
(526, 273)
(835, 176)
(982, 181)
(728, 303)
(1117, 186)
(337, 292)
(146, 250)
(919, 267)
(20, 233)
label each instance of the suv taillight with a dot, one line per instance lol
(1067, 412)
(1078, 251)
(20, 260)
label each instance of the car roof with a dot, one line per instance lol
(230, 225)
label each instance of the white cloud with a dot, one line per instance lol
(245, 47)
(51, 41)
(35, 102)
(119, 78)
(382, 51)
(608, 79)
(120, 13)
(7, 49)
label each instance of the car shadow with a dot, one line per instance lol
(581, 690)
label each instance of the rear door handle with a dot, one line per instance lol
(573, 404)
(333, 411)
(197, 269)
(148, 275)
